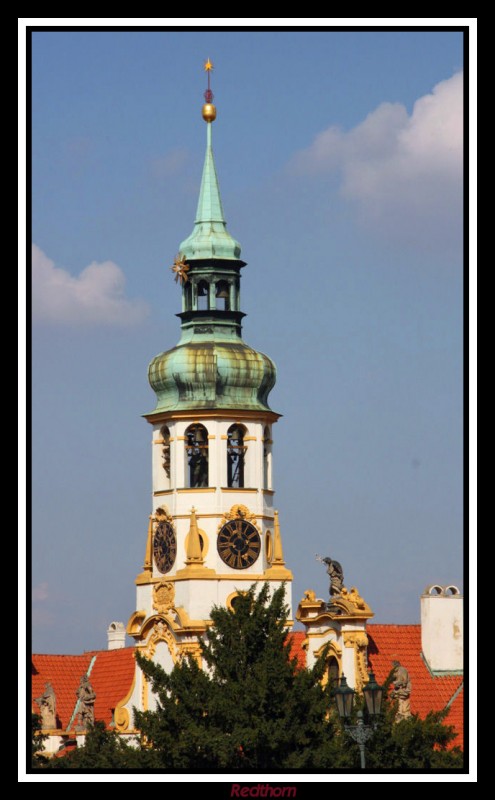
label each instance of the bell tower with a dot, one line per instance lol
(213, 530)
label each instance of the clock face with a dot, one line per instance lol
(164, 546)
(239, 544)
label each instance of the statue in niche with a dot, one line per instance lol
(199, 470)
(47, 703)
(86, 696)
(197, 455)
(401, 691)
(336, 575)
(166, 459)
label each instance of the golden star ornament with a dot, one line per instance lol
(180, 268)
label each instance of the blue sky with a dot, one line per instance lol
(340, 165)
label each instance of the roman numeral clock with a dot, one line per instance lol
(164, 546)
(239, 543)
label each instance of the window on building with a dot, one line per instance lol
(267, 458)
(237, 289)
(165, 436)
(333, 673)
(233, 600)
(203, 296)
(188, 296)
(236, 451)
(222, 295)
(196, 456)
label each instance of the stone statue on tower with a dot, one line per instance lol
(336, 575)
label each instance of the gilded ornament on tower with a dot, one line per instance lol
(180, 268)
(163, 596)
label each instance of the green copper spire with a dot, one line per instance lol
(210, 238)
(209, 202)
(211, 367)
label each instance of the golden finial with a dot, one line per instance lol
(209, 111)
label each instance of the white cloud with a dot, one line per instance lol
(96, 296)
(404, 172)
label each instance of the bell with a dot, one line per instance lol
(236, 434)
(223, 291)
(199, 435)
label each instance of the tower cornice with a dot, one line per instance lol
(155, 417)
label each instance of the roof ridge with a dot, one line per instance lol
(106, 650)
(80, 655)
(61, 655)
(456, 694)
(394, 625)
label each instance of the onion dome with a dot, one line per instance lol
(212, 375)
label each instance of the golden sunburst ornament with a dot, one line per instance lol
(180, 268)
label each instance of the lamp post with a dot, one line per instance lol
(373, 695)
(344, 697)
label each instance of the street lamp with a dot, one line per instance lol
(373, 695)
(344, 697)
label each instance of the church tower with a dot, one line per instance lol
(213, 530)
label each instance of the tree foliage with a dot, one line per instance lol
(412, 744)
(38, 759)
(102, 750)
(252, 709)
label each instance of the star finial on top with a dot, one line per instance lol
(209, 111)
(181, 269)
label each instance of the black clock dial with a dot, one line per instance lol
(239, 544)
(164, 546)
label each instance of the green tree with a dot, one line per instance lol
(412, 744)
(38, 759)
(103, 750)
(252, 709)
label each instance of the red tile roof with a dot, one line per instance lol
(456, 718)
(111, 677)
(113, 671)
(402, 643)
(296, 639)
(64, 673)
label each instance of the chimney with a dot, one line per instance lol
(442, 628)
(116, 635)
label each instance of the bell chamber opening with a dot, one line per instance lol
(196, 456)
(236, 453)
